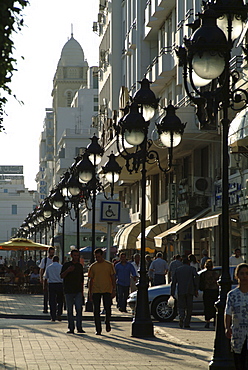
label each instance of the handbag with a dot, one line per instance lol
(171, 302)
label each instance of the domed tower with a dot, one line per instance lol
(71, 73)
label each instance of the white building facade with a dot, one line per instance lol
(144, 41)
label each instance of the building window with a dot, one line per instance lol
(69, 98)
(14, 209)
(5, 190)
(13, 231)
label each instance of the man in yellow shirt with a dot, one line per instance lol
(101, 284)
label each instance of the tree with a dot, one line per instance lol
(10, 21)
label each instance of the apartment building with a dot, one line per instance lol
(137, 39)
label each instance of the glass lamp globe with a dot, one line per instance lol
(198, 81)
(47, 213)
(58, 204)
(134, 137)
(95, 159)
(64, 192)
(112, 177)
(148, 112)
(208, 66)
(237, 26)
(165, 138)
(74, 191)
(85, 176)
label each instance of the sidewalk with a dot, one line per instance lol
(29, 343)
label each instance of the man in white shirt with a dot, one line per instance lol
(160, 268)
(55, 288)
(236, 259)
(45, 262)
(136, 265)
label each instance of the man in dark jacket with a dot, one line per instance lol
(187, 281)
(73, 275)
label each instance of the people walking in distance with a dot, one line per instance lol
(21, 264)
(72, 274)
(124, 270)
(31, 263)
(45, 262)
(236, 259)
(136, 265)
(101, 285)
(236, 317)
(55, 289)
(173, 266)
(187, 282)
(208, 284)
(193, 262)
(159, 267)
(205, 257)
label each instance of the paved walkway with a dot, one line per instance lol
(32, 343)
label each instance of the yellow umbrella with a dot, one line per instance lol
(21, 244)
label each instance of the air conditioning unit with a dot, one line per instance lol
(202, 185)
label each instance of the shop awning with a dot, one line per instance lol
(238, 131)
(126, 237)
(150, 233)
(178, 228)
(210, 220)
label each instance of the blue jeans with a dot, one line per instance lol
(123, 292)
(77, 300)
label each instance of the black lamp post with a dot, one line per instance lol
(207, 56)
(133, 130)
(58, 202)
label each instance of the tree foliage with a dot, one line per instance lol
(10, 21)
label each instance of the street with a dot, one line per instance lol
(38, 343)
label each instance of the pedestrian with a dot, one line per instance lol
(136, 265)
(101, 285)
(205, 257)
(45, 262)
(236, 317)
(160, 268)
(21, 264)
(1, 261)
(55, 288)
(236, 259)
(193, 262)
(31, 263)
(208, 284)
(124, 270)
(187, 281)
(72, 273)
(173, 266)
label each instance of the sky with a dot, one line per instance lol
(47, 28)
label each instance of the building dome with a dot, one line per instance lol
(72, 55)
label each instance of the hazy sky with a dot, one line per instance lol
(47, 28)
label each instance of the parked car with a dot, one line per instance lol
(158, 297)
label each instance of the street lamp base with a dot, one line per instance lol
(142, 328)
(220, 364)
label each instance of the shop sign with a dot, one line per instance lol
(173, 201)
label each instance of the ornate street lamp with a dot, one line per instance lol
(207, 53)
(112, 171)
(86, 170)
(133, 129)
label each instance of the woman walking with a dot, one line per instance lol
(210, 288)
(236, 317)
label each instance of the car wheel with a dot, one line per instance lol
(161, 311)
